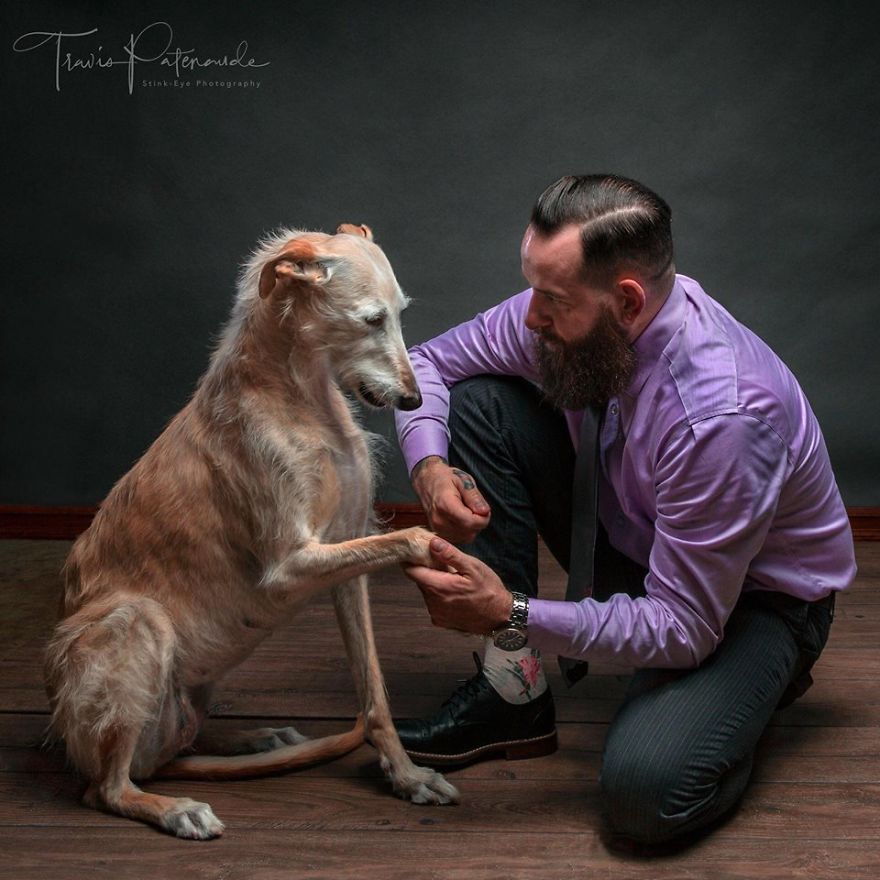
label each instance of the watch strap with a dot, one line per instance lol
(519, 612)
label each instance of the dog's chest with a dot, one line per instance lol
(327, 485)
(352, 468)
(345, 509)
(318, 469)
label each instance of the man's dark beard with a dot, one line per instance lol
(588, 371)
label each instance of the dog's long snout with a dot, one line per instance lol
(409, 402)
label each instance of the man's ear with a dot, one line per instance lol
(351, 229)
(300, 263)
(632, 298)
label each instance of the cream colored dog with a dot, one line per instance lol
(257, 495)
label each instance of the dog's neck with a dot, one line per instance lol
(266, 351)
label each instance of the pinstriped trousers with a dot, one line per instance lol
(679, 752)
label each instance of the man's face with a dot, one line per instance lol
(583, 354)
(563, 307)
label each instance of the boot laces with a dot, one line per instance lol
(468, 688)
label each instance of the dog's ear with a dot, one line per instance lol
(351, 229)
(299, 264)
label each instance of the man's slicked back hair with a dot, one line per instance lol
(624, 225)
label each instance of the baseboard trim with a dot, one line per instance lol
(47, 523)
(65, 523)
(865, 522)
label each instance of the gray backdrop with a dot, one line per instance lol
(128, 213)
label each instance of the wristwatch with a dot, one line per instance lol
(514, 634)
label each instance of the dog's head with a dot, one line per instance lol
(341, 292)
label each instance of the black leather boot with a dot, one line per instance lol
(476, 723)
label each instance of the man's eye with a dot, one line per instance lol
(376, 320)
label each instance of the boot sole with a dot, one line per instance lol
(513, 750)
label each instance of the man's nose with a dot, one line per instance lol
(535, 319)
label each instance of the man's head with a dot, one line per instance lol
(598, 256)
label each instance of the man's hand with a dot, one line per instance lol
(455, 508)
(463, 593)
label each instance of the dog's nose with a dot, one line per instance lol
(410, 401)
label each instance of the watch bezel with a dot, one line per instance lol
(510, 638)
(514, 635)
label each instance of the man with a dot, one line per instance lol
(722, 537)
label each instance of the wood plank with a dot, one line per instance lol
(25, 732)
(265, 688)
(251, 854)
(821, 754)
(297, 803)
(333, 697)
(568, 767)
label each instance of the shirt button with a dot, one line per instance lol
(613, 409)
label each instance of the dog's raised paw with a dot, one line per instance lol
(192, 820)
(419, 541)
(426, 786)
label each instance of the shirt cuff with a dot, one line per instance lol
(553, 626)
(428, 440)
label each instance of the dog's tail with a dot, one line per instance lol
(281, 760)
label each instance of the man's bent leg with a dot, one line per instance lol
(679, 753)
(518, 450)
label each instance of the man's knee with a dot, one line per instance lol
(490, 398)
(651, 797)
(488, 410)
(634, 792)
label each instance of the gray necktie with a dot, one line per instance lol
(583, 528)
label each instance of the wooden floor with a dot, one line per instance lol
(813, 810)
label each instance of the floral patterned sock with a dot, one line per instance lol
(518, 676)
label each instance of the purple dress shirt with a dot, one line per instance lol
(715, 477)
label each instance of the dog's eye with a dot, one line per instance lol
(376, 320)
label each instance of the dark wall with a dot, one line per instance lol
(127, 214)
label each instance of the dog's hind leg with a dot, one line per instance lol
(111, 682)
(418, 784)
(115, 792)
(224, 743)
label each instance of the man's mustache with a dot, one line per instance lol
(548, 336)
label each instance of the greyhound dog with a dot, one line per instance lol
(256, 496)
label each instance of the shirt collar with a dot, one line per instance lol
(656, 336)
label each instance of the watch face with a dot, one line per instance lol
(510, 639)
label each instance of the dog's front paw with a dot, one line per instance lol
(191, 820)
(422, 785)
(418, 550)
